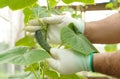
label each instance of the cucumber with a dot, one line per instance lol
(41, 40)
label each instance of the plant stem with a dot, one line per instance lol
(60, 45)
(39, 69)
(34, 72)
(48, 7)
(39, 20)
(46, 32)
(42, 73)
(41, 65)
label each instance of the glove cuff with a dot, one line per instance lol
(91, 62)
(88, 63)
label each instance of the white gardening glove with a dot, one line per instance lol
(55, 24)
(67, 61)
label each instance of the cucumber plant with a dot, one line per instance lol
(27, 52)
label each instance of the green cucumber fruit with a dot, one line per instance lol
(41, 40)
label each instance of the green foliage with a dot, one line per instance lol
(28, 14)
(35, 66)
(19, 4)
(36, 11)
(72, 11)
(76, 15)
(4, 3)
(51, 74)
(16, 4)
(113, 4)
(33, 12)
(111, 47)
(72, 38)
(26, 41)
(52, 3)
(109, 5)
(23, 56)
(83, 1)
(66, 8)
(8, 55)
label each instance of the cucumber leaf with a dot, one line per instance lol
(83, 1)
(74, 39)
(35, 66)
(16, 4)
(26, 41)
(52, 3)
(33, 12)
(19, 4)
(51, 74)
(22, 55)
(3, 3)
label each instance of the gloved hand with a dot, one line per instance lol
(55, 24)
(67, 61)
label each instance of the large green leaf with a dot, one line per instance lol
(8, 55)
(23, 56)
(51, 74)
(3, 3)
(19, 4)
(26, 41)
(35, 66)
(77, 41)
(83, 1)
(36, 11)
(30, 57)
(33, 12)
(27, 15)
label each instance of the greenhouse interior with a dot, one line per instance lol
(59, 39)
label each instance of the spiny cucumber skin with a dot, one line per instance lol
(41, 40)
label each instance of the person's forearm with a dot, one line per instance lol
(104, 31)
(107, 63)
